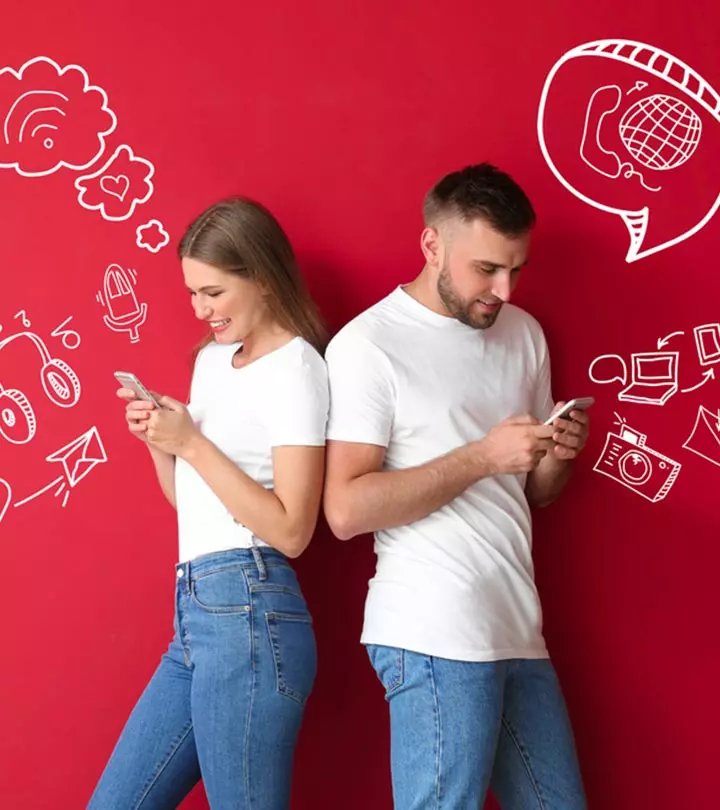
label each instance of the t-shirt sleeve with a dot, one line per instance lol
(300, 405)
(362, 391)
(543, 402)
(196, 380)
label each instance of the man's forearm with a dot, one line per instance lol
(545, 483)
(382, 500)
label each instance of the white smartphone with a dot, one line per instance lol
(128, 380)
(579, 404)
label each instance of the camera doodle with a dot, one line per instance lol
(627, 459)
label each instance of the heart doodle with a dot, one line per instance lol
(116, 186)
(5, 497)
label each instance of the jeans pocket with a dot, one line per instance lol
(389, 665)
(221, 591)
(292, 640)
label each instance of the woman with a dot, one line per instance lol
(243, 464)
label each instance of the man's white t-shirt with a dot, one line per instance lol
(279, 399)
(458, 583)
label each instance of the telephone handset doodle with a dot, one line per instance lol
(603, 103)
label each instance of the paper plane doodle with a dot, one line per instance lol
(77, 458)
(704, 438)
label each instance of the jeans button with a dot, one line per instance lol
(179, 572)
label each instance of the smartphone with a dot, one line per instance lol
(128, 380)
(579, 404)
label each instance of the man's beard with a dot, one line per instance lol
(459, 309)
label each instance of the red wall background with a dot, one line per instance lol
(339, 116)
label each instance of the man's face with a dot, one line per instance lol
(477, 269)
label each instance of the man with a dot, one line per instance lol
(437, 446)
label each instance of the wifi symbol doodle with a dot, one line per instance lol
(51, 117)
(37, 118)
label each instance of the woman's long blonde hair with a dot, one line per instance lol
(240, 236)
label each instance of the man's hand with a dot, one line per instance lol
(516, 445)
(570, 435)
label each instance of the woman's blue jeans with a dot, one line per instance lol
(227, 699)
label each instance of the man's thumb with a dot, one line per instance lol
(170, 403)
(522, 419)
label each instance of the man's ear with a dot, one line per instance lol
(431, 246)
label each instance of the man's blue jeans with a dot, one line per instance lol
(459, 728)
(227, 699)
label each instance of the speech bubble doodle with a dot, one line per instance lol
(629, 129)
(606, 361)
(51, 117)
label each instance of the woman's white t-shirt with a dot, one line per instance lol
(279, 399)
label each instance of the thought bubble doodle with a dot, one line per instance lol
(51, 117)
(152, 236)
(631, 130)
(123, 183)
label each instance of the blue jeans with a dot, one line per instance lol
(227, 699)
(458, 728)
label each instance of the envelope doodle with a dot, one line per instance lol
(77, 459)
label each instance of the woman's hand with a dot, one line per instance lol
(137, 413)
(170, 428)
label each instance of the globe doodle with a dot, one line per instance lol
(660, 131)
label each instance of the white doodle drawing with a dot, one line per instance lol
(66, 335)
(115, 190)
(660, 132)
(662, 342)
(706, 377)
(77, 458)
(23, 316)
(603, 102)
(17, 418)
(60, 383)
(152, 236)
(653, 376)
(704, 438)
(5, 497)
(53, 118)
(707, 343)
(115, 186)
(620, 377)
(124, 314)
(627, 459)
